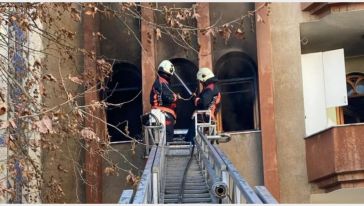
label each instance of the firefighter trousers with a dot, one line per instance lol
(170, 121)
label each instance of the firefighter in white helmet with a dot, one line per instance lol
(163, 98)
(209, 97)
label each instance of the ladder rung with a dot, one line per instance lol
(187, 191)
(203, 187)
(189, 200)
(174, 196)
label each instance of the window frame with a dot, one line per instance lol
(254, 81)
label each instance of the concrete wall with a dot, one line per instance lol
(244, 151)
(219, 15)
(121, 43)
(288, 95)
(167, 48)
(354, 64)
(114, 185)
(70, 149)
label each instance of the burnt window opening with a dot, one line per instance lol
(354, 111)
(187, 71)
(237, 76)
(124, 85)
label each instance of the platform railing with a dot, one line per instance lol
(216, 167)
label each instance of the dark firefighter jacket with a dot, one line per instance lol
(162, 97)
(210, 97)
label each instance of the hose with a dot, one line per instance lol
(182, 188)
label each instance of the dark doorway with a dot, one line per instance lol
(237, 76)
(123, 86)
(187, 71)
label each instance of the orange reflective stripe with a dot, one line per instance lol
(214, 106)
(155, 100)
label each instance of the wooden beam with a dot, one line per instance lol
(148, 54)
(269, 137)
(93, 161)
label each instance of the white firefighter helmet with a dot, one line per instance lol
(167, 67)
(204, 74)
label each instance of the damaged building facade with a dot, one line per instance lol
(292, 85)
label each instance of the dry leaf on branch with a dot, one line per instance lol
(110, 171)
(60, 168)
(12, 123)
(196, 15)
(4, 125)
(158, 33)
(259, 18)
(75, 15)
(75, 79)
(49, 77)
(239, 34)
(132, 179)
(44, 125)
(88, 134)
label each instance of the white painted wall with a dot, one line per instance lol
(35, 42)
(3, 118)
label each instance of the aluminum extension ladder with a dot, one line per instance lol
(210, 177)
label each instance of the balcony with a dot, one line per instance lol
(335, 157)
(321, 9)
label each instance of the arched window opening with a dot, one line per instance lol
(187, 71)
(237, 76)
(354, 111)
(124, 86)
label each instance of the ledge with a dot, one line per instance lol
(324, 8)
(335, 157)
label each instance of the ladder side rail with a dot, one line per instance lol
(143, 192)
(159, 166)
(156, 173)
(158, 170)
(215, 166)
(238, 181)
(209, 167)
(205, 148)
(150, 136)
(126, 197)
(226, 179)
(211, 151)
(208, 171)
(265, 195)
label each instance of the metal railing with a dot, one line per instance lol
(239, 189)
(145, 186)
(217, 167)
(225, 183)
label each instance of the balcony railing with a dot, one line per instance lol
(335, 157)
